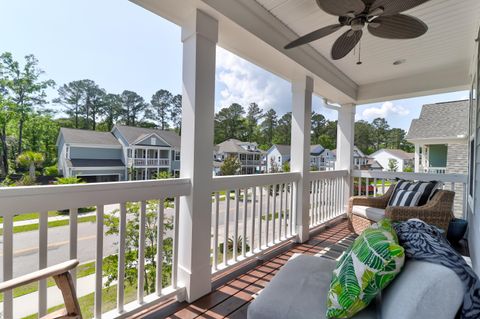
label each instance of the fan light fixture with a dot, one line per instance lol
(381, 17)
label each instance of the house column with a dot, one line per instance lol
(300, 151)
(199, 39)
(417, 158)
(345, 143)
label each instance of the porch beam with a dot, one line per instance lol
(302, 90)
(345, 145)
(199, 37)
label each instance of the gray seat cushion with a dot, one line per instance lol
(370, 213)
(299, 290)
(423, 290)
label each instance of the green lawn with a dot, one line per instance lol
(31, 216)
(109, 301)
(56, 223)
(82, 271)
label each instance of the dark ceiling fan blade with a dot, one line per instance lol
(341, 7)
(391, 7)
(345, 43)
(399, 26)
(315, 35)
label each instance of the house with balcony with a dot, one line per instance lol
(248, 153)
(399, 158)
(360, 160)
(320, 158)
(125, 153)
(441, 148)
(234, 241)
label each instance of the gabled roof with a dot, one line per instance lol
(396, 153)
(134, 135)
(284, 150)
(356, 152)
(441, 120)
(77, 136)
(235, 146)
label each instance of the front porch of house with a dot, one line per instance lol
(193, 230)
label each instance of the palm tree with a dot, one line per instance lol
(31, 160)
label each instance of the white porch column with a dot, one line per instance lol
(345, 143)
(300, 150)
(417, 158)
(199, 39)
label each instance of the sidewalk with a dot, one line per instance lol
(108, 209)
(28, 304)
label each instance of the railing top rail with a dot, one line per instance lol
(27, 199)
(221, 183)
(313, 176)
(451, 178)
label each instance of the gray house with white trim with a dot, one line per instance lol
(125, 153)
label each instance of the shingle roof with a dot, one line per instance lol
(283, 149)
(440, 120)
(136, 134)
(234, 146)
(397, 153)
(316, 149)
(95, 163)
(76, 136)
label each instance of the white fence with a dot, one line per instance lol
(22, 200)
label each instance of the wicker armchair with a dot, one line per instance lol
(438, 211)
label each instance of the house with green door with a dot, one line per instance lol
(440, 136)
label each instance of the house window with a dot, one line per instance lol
(67, 152)
(242, 157)
(279, 158)
(177, 155)
(153, 141)
(129, 153)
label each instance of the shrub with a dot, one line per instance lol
(50, 170)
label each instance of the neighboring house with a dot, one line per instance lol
(373, 165)
(125, 153)
(440, 138)
(360, 160)
(93, 156)
(401, 158)
(320, 157)
(248, 153)
(149, 151)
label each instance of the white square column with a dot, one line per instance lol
(345, 144)
(199, 39)
(417, 158)
(300, 151)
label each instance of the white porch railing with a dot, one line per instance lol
(327, 195)
(22, 200)
(435, 170)
(374, 183)
(152, 162)
(250, 214)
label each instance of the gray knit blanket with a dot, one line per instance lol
(425, 242)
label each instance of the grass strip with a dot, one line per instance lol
(55, 223)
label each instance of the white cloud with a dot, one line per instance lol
(387, 109)
(239, 81)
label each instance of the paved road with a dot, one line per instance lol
(26, 243)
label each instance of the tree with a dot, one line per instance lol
(161, 107)
(254, 115)
(94, 103)
(364, 135)
(229, 123)
(132, 243)
(70, 96)
(133, 105)
(392, 165)
(69, 180)
(283, 130)
(380, 127)
(41, 132)
(231, 166)
(31, 160)
(24, 87)
(6, 115)
(318, 126)
(269, 125)
(112, 109)
(176, 112)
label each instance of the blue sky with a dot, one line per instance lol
(122, 46)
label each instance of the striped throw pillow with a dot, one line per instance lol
(403, 197)
(425, 188)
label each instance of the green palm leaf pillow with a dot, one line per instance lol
(368, 266)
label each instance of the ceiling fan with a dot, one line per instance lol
(382, 18)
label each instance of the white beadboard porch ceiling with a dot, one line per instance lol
(448, 42)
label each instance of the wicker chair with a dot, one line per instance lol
(438, 211)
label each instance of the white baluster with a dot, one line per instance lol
(121, 258)
(99, 263)
(42, 261)
(159, 257)
(73, 240)
(215, 231)
(175, 244)
(141, 252)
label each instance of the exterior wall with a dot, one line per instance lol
(383, 158)
(61, 159)
(437, 155)
(96, 153)
(457, 163)
(156, 142)
(277, 158)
